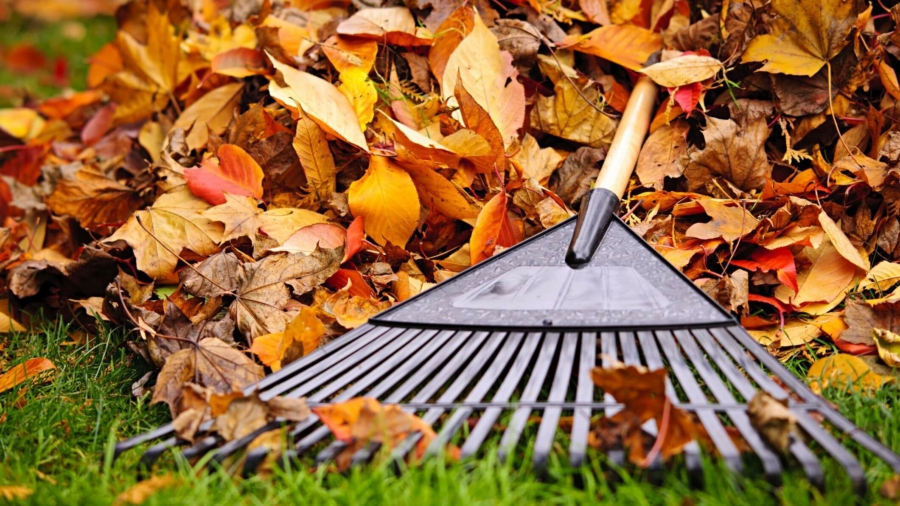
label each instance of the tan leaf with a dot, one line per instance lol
(242, 217)
(315, 157)
(351, 311)
(143, 490)
(662, 154)
(728, 222)
(31, 368)
(882, 277)
(773, 420)
(386, 197)
(93, 198)
(841, 242)
(537, 163)
(795, 333)
(861, 319)
(394, 25)
(175, 222)
(489, 76)
(212, 113)
(828, 276)
(324, 103)
(734, 153)
(683, 70)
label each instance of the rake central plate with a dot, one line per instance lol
(626, 285)
(538, 288)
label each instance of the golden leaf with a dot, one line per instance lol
(386, 197)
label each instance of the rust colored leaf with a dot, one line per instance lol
(493, 228)
(93, 198)
(31, 368)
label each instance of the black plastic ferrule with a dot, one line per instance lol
(598, 208)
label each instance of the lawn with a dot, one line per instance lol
(54, 435)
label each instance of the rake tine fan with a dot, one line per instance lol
(517, 335)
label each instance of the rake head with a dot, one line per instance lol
(517, 336)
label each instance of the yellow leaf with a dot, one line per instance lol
(324, 103)
(142, 490)
(174, 222)
(842, 370)
(537, 163)
(828, 276)
(151, 137)
(728, 222)
(841, 242)
(567, 114)
(212, 112)
(386, 197)
(803, 36)
(315, 157)
(682, 70)
(21, 123)
(15, 492)
(7, 323)
(882, 277)
(301, 336)
(489, 78)
(888, 344)
(793, 334)
(279, 224)
(359, 90)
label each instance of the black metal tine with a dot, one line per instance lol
(610, 355)
(771, 463)
(532, 390)
(750, 366)
(581, 419)
(365, 454)
(453, 391)
(329, 362)
(154, 452)
(289, 371)
(472, 342)
(550, 420)
(654, 361)
(833, 416)
(490, 415)
(834, 447)
(368, 365)
(128, 444)
(807, 459)
(322, 432)
(709, 419)
(201, 447)
(488, 378)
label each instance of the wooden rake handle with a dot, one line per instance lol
(599, 206)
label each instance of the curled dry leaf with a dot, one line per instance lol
(93, 198)
(773, 420)
(31, 368)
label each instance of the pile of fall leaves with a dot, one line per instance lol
(247, 180)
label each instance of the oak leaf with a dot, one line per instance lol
(803, 36)
(386, 197)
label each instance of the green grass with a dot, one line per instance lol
(73, 40)
(55, 435)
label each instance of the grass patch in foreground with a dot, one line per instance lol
(53, 436)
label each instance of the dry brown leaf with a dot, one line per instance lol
(142, 490)
(662, 154)
(93, 198)
(732, 152)
(773, 420)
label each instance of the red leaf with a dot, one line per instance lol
(855, 349)
(25, 164)
(98, 125)
(355, 235)
(239, 62)
(236, 173)
(780, 260)
(359, 287)
(687, 96)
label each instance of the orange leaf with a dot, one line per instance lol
(358, 285)
(236, 173)
(451, 32)
(29, 369)
(339, 418)
(308, 238)
(627, 45)
(386, 197)
(493, 228)
(350, 53)
(239, 62)
(728, 222)
(355, 236)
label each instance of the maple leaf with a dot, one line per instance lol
(242, 217)
(235, 172)
(149, 72)
(159, 233)
(733, 152)
(803, 36)
(300, 337)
